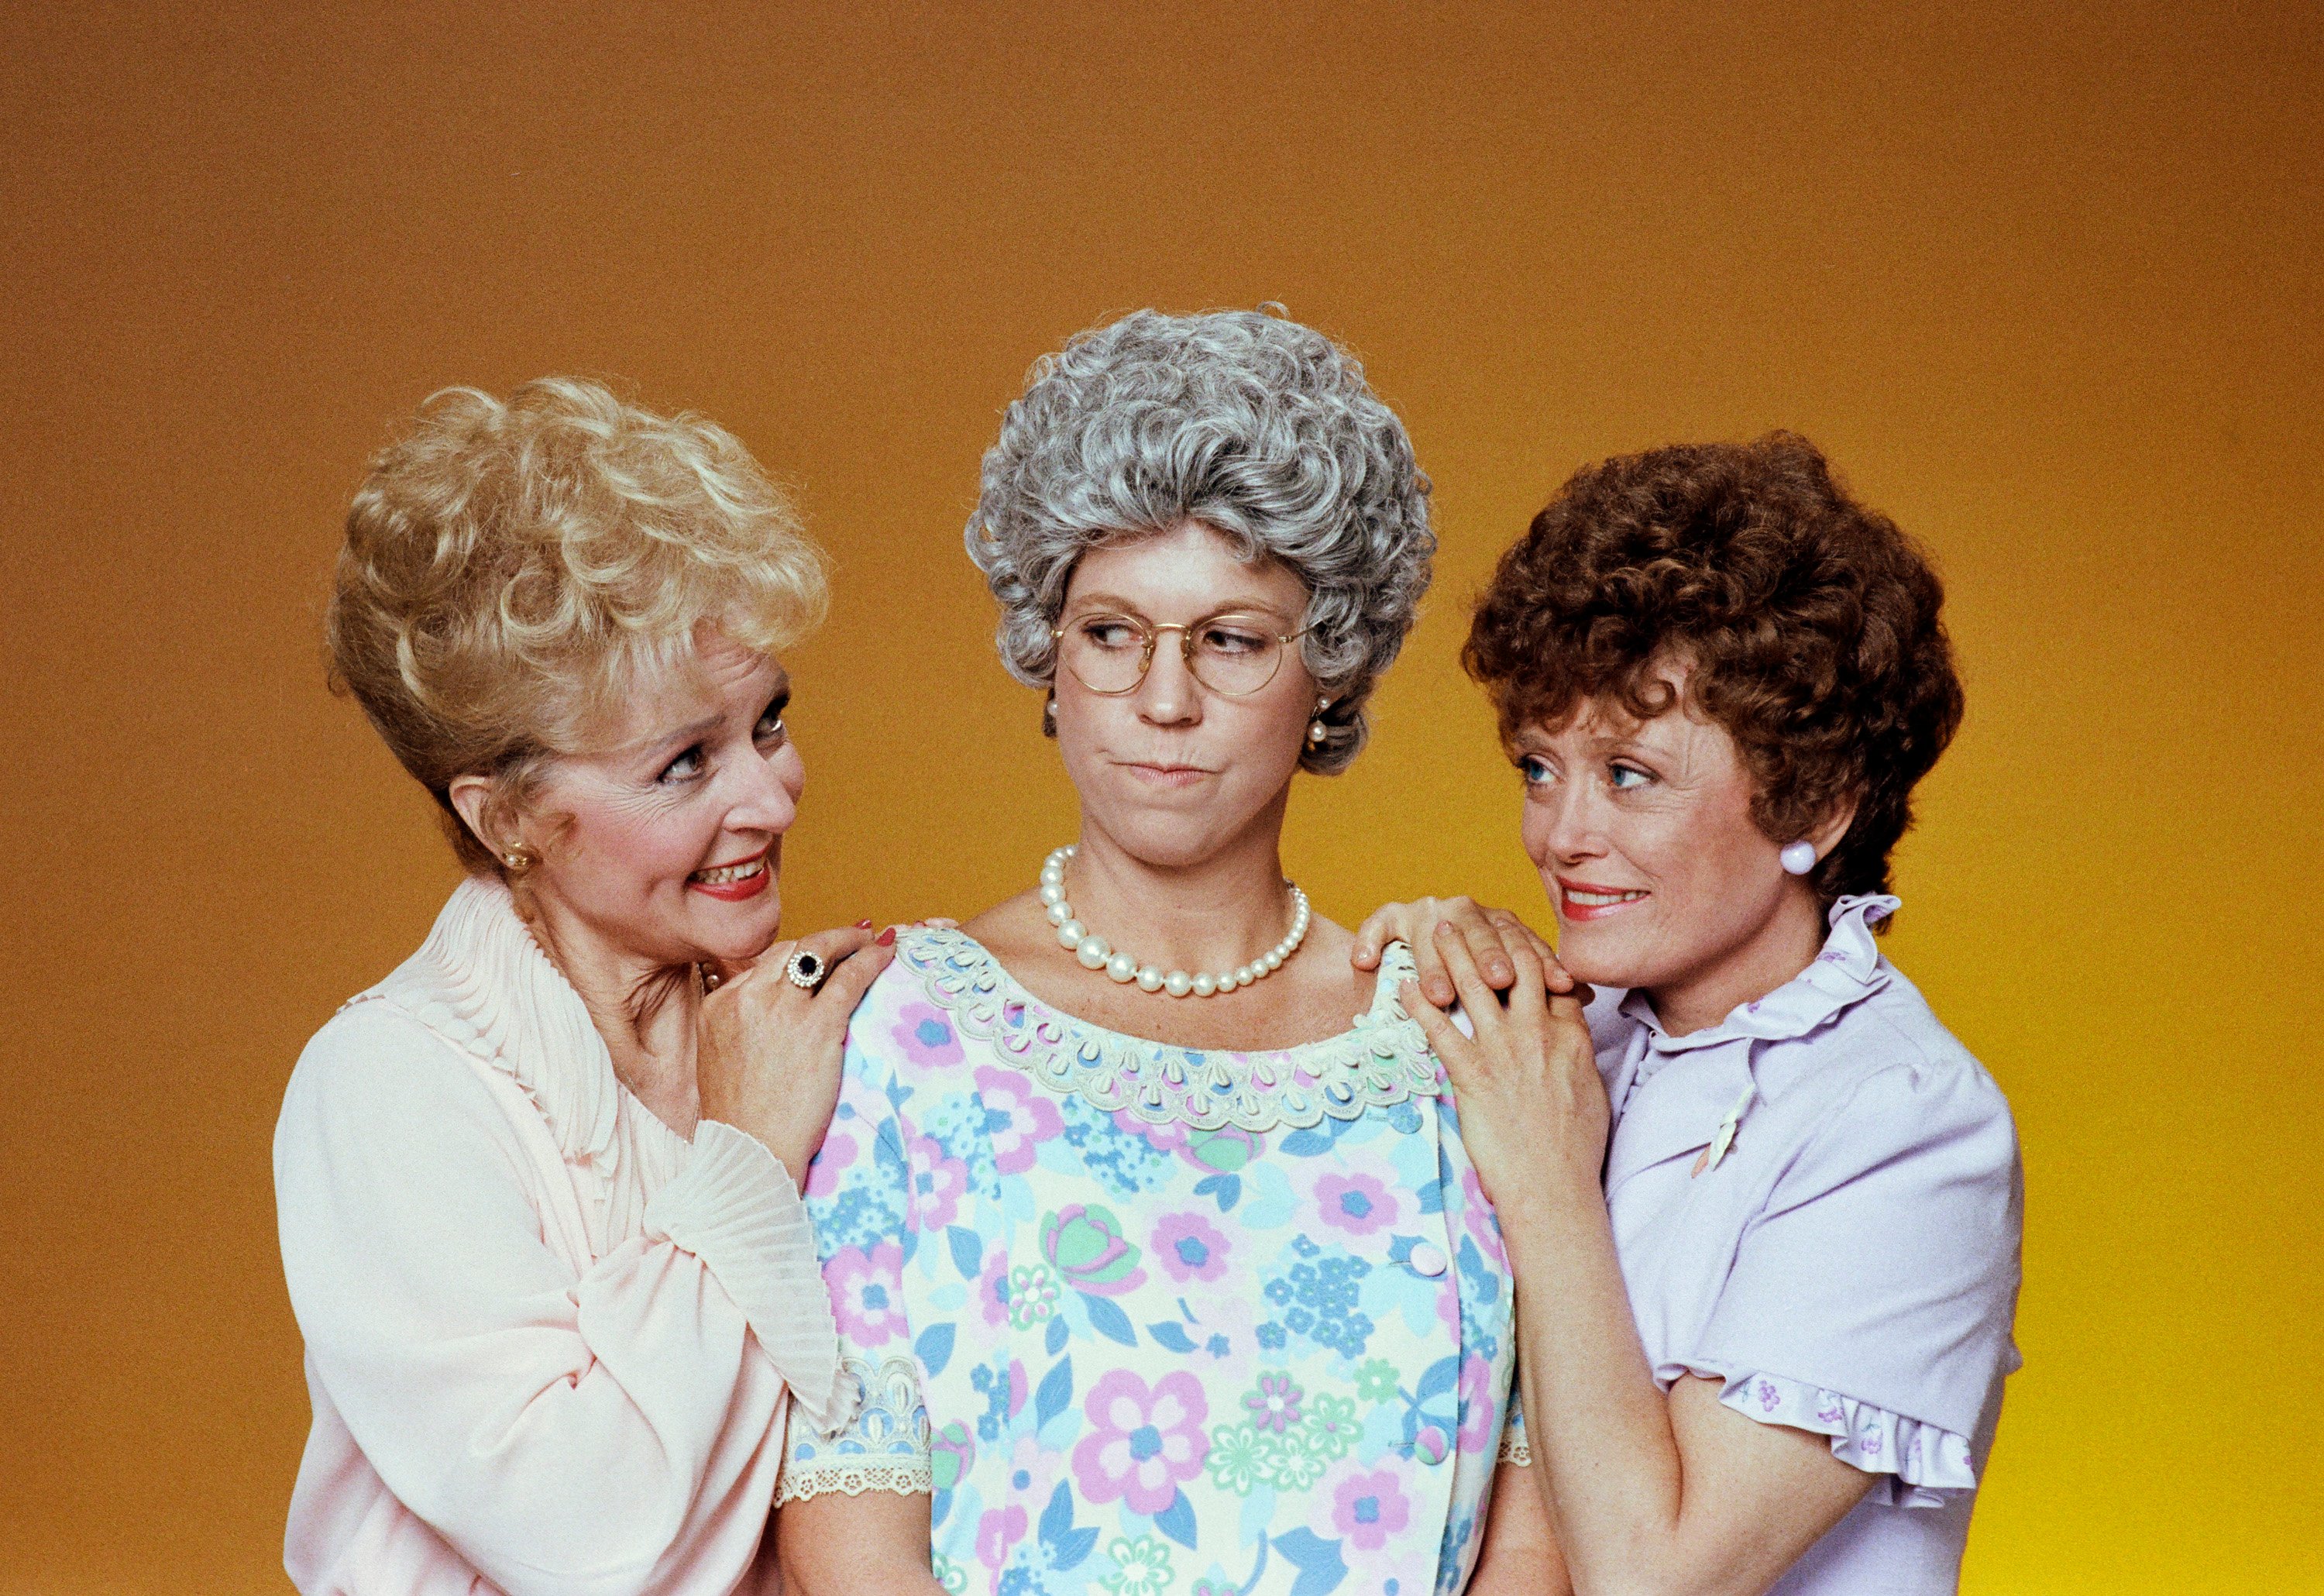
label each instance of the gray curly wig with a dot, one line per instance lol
(1255, 426)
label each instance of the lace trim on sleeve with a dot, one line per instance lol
(1920, 1462)
(1515, 1449)
(884, 1447)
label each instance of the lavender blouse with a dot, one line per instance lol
(1849, 1264)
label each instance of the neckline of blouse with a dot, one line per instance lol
(481, 980)
(1381, 1060)
(1847, 971)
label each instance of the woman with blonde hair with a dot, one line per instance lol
(539, 1189)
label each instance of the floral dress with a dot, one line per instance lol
(1150, 1320)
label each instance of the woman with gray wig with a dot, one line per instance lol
(1152, 1272)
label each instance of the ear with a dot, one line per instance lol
(471, 797)
(1826, 837)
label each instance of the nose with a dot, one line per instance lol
(1169, 696)
(1569, 820)
(764, 797)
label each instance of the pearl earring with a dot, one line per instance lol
(1316, 730)
(1798, 858)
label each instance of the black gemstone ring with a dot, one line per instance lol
(805, 970)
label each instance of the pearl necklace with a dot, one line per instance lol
(1090, 949)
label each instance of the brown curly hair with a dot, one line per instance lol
(1810, 625)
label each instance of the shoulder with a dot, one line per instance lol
(378, 1074)
(1904, 1106)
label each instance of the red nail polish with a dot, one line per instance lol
(864, 924)
(886, 936)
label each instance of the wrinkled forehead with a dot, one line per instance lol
(1182, 572)
(644, 694)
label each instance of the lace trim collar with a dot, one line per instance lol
(1383, 1060)
(1847, 970)
(482, 982)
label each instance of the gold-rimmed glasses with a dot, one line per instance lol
(1234, 653)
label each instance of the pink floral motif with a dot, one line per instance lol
(996, 1533)
(1016, 1118)
(1364, 1507)
(1275, 1406)
(1483, 1427)
(867, 1293)
(836, 1154)
(925, 1035)
(938, 1184)
(1357, 1203)
(992, 1286)
(1189, 1248)
(1484, 1225)
(1769, 1398)
(1142, 1440)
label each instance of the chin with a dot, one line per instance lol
(1601, 956)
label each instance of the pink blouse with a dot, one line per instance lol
(551, 1344)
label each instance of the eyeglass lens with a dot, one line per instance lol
(1230, 654)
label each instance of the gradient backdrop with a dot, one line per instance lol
(2042, 278)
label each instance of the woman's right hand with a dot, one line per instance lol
(767, 1051)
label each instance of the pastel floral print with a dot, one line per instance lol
(1275, 1406)
(1142, 1440)
(1188, 1247)
(1032, 1294)
(925, 1035)
(1017, 1120)
(833, 1159)
(1153, 1357)
(1368, 1506)
(996, 1533)
(1141, 1567)
(1085, 1246)
(938, 1184)
(1359, 1204)
(864, 1289)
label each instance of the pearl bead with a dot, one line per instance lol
(1245, 975)
(1093, 953)
(1177, 983)
(1205, 985)
(1122, 967)
(1274, 959)
(1053, 892)
(1150, 979)
(1070, 935)
(1059, 913)
(1226, 981)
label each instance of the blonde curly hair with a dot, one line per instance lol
(510, 567)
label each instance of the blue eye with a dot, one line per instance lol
(1533, 771)
(686, 767)
(1627, 776)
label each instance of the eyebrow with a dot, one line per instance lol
(694, 731)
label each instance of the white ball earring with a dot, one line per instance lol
(1798, 858)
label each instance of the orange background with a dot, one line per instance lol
(2044, 285)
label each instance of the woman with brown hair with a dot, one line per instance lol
(1765, 1228)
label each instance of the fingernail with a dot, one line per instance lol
(886, 936)
(864, 924)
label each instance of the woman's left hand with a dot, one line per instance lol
(1491, 937)
(1533, 1107)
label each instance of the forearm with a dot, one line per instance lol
(1605, 1456)
(871, 1545)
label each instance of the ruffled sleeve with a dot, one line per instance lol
(1919, 1462)
(858, 1199)
(1871, 1300)
(733, 1206)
